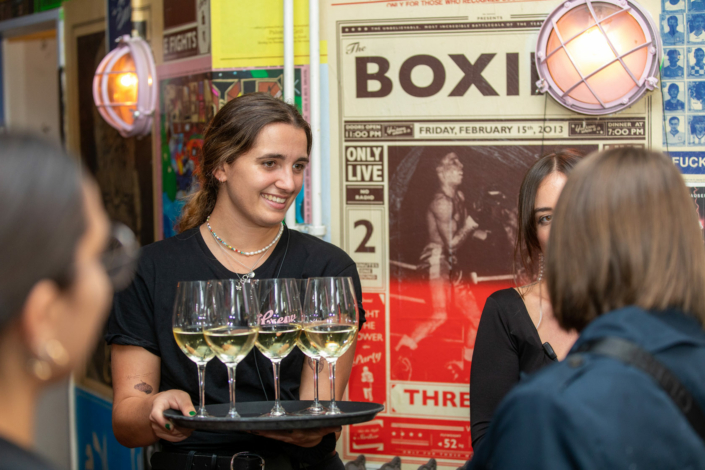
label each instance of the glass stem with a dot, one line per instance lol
(202, 389)
(333, 407)
(276, 366)
(316, 404)
(278, 409)
(231, 382)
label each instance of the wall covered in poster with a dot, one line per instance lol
(435, 118)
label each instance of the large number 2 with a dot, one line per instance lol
(363, 248)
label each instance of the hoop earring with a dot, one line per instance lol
(54, 353)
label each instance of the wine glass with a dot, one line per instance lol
(279, 323)
(330, 321)
(188, 322)
(307, 348)
(231, 326)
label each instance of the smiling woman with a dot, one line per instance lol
(255, 152)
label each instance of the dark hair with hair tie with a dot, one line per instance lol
(232, 132)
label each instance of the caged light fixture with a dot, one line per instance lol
(598, 57)
(123, 87)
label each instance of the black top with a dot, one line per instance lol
(13, 457)
(506, 346)
(142, 316)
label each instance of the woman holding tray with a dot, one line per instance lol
(254, 154)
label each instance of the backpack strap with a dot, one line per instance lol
(631, 354)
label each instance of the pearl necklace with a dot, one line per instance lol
(245, 253)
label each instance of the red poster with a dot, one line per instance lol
(369, 377)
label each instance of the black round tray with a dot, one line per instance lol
(251, 416)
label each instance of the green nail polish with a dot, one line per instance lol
(168, 426)
(192, 413)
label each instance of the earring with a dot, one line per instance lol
(40, 369)
(55, 354)
(540, 267)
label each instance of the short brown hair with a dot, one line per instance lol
(624, 233)
(527, 247)
(232, 132)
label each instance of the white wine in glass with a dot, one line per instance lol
(277, 341)
(331, 340)
(230, 345)
(279, 324)
(187, 324)
(193, 344)
(330, 319)
(307, 348)
(231, 328)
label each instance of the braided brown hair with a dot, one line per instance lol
(232, 132)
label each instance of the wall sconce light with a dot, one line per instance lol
(598, 57)
(123, 87)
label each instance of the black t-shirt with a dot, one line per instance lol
(13, 457)
(142, 316)
(506, 346)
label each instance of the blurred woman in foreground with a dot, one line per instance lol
(626, 268)
(54, 291)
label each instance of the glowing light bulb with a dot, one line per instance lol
(596, 55)
(591, 51)
(128, 80)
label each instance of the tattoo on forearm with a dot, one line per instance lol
(144, 387)
(310, 364)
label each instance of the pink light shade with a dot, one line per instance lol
(598, 57)
(123, 87)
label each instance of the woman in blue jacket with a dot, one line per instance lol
(626, 261)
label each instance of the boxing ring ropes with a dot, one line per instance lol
(474, 277)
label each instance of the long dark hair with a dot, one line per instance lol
(527, 247)
(42, 218)
(232, 132)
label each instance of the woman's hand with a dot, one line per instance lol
(164, 428)
(300, 437)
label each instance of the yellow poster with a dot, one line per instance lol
(250, 34)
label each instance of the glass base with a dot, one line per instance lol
(334, 410)
(277, 411)
(232, 414)
(203, 414)
(313, 411)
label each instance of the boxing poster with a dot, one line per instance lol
(435, 119)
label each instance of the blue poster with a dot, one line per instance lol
(119, 20)
(97, 447)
